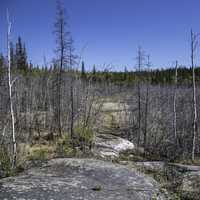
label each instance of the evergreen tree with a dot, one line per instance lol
(94, 70)
(83, 69)
(24, 57)
(125, 73)
(21, 56)
(1, 61)
(30, 66)
(1, 64)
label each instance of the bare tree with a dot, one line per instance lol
(140, 59)
(193, 50)
(147, 103)
(72, 62)
(174, 103)
(10, 84)
(62, 38)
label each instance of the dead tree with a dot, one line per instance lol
(10, 84)
(147, 103)
(140, 59)
(193, 50)
(62, 37)
(174, 103)
(72, 62)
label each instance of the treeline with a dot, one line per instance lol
(158, 76)
(19, 62)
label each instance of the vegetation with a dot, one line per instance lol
(56, 108)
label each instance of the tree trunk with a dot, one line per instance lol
(146, 107)
(193, 48)
(14, 157)
(175, 114)
(139, 95)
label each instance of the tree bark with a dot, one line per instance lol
(193, 48)
(146, 107)
(14, 156)
(174, 103)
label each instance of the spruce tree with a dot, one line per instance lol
(21, 56)
(1, 61)
(125, 73)
(1, 64)
(94, 70)
(83, 69)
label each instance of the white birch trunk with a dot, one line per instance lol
(10, 95)
(193, 48)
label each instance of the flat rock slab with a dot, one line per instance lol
(109, 146)
(80, 179)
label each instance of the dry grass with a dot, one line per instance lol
(35, 152)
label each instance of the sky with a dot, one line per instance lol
(107, 32)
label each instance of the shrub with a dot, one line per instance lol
(84, 137)
(64, 147)
(5, 161)
(41, 152)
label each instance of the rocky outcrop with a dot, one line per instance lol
(190, 187)
(75, 179)
(181, 179)
(109, 146)
(187, 179)
(108, 143)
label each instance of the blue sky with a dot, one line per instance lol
(109, 31)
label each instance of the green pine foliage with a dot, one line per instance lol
(21, 56)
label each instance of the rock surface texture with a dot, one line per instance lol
(110, 146)
(80, 179)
